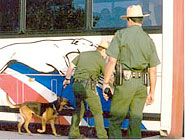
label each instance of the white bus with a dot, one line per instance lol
(40, 37)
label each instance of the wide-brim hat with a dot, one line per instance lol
(104, 44)
(134, 11)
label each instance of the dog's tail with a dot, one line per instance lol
(11, 105)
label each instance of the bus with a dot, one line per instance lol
(39, 38)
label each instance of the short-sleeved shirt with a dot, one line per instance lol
(90, 63)
(134, 48)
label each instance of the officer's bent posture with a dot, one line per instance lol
(88, 67)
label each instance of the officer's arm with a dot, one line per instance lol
(109, 69)
(68, 74)
(108, 72)
(153, 80)
(70, 70)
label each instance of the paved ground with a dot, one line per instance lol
(9, 135)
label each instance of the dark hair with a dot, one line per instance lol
(136, 19)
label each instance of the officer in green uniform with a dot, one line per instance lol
(136, 52)
(88, 65)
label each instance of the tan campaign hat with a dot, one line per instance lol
(104, 44)
(134, 11)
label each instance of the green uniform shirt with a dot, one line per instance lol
(88, 63)
(134, 48)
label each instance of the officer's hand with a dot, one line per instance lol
(65, 83)
(150, 99)
(105, 95)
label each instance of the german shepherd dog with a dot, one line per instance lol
(45, 111)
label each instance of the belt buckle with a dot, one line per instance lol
(127, 74)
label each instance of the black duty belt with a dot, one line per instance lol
(81, 81)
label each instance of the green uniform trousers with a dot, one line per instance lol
(84, 94)
(129, 96)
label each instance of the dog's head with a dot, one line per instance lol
(63, 102)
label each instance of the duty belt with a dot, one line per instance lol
(81, 81)
(86, 82)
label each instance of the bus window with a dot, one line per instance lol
(50, 15)
(106, 14)
(9, 15)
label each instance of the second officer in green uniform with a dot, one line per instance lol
(136, 52)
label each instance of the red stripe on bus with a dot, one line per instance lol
(19, 91)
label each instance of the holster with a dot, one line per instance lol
(146, 78)
(118, 75)
(93, 83)
(84, 82)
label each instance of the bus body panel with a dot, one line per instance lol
(33, 69)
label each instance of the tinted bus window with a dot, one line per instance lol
(9, 15)
(106, 14)
(49, 15)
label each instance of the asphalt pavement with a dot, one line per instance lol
(10, 135)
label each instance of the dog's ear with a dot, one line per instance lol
(65, 100)
(58, 99)
(62, 99)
